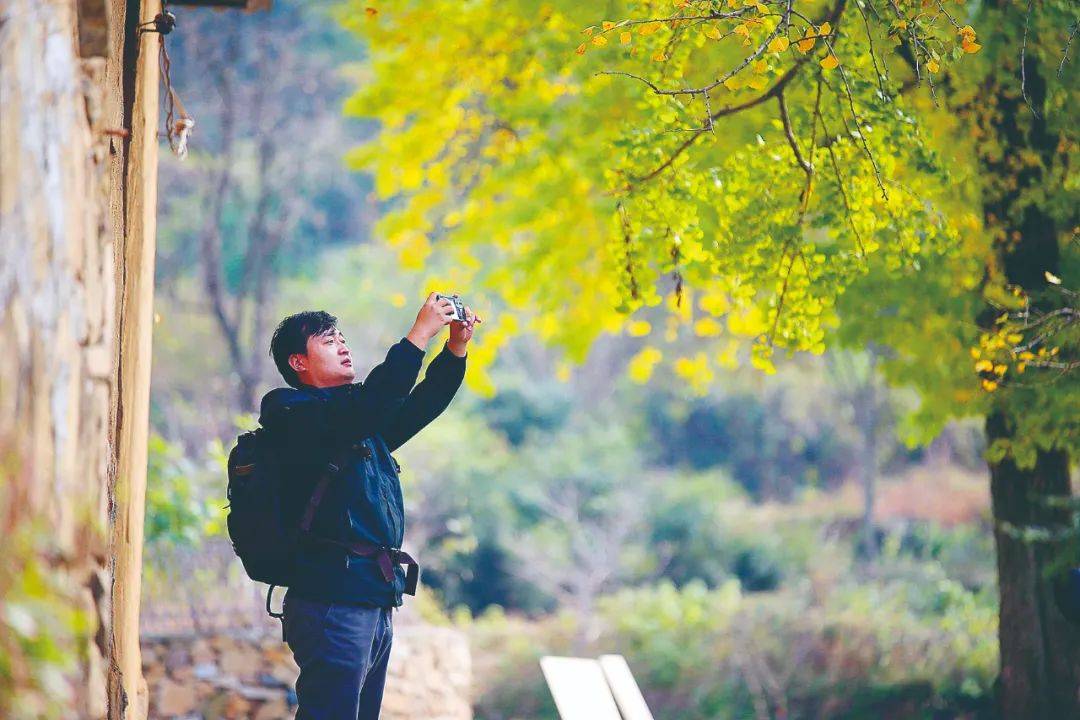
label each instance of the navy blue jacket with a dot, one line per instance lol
(316, 426)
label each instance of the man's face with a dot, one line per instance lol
(327, 363)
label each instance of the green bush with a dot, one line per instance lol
(185, 498)
(902, 647)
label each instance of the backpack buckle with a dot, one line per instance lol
(269, 611)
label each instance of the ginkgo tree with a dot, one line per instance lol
(732, 178)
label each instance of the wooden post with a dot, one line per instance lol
(135, 319)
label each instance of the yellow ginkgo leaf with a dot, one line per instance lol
(824, 29)
(580, 49)
(742, 30)
(970, 46)
(966, 32)
(641, 365)
(599, 40)
(984, 366)
(932, 66)
(713, 32)
(760, 66)
(758, 82)
(707, 327)
(733, 83)
(989, 385)
(607, 24)
(779, 44)
(659, 56)
(624, 37)
(762, 363)
(806, 44)
(829, 62)
(649, 28)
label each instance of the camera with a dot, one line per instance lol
(459, 307)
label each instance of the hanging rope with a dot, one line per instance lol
(178, 123)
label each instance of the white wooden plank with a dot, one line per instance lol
(625, 689)
(579, 688)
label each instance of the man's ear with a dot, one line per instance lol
(298, 362)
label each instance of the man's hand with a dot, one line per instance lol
(461, 332)
(433, 315)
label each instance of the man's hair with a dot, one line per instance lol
(291, 337)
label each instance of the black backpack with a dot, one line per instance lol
(260, 537)
(267, 545)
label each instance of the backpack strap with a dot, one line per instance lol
(317, 496)
(327, 477)
(386, 558)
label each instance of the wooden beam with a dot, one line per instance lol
(135, 315)
(249, 5)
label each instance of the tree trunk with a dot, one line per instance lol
(1040, 649)
(867, 419)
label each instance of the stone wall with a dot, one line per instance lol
(57, 328)
(251, 675)
(78, 148)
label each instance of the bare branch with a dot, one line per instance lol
(786, 120)
(782, 26)
(1068, 44)
(1023, 62)
(832, 17)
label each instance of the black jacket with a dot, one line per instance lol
(316, 426)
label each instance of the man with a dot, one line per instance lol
(338, 434)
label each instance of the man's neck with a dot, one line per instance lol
(314, 386)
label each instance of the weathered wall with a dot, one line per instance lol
(56, 325)
(253, 676)
(77, 173)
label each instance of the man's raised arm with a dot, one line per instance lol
(349, 411)
(426, 401)
(345, 412)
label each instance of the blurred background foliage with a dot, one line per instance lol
(40, 616)
(712, 540)
(755, 545)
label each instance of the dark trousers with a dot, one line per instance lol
(342, 651)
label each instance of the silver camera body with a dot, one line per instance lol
(459, 307)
